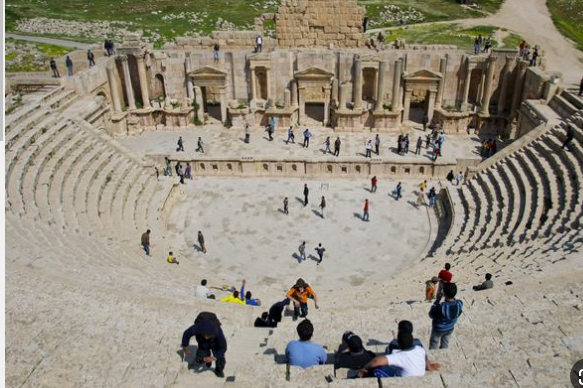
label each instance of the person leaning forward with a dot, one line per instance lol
(210, 338)
(299, 295)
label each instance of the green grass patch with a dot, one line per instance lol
(33, 56)
(512, 40)
(450, 34)
(148, 15)
(568, 17)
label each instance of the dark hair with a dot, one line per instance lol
(248, 295)
(447, 266)
(488, 276)
(148, 231)
(405, 340)
(406, 326)
(203, 282)
(265, 315)
(449, 290)
(305, 330)
(236, 294)
(354, 344)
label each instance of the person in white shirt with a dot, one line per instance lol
(259, 44)
(203, 292)
(409, 361)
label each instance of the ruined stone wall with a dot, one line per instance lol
(319, 23)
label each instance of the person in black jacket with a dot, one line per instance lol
(351, 352)
(273, 317)
(209, 336)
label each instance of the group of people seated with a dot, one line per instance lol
(404, 356)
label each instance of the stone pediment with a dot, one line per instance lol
(314, 73)
(208, 72)
(423, 75)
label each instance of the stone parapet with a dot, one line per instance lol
(333, 168)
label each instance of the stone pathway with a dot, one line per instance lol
(58, 42)
(533, 22)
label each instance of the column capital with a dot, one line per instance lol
(122, 57)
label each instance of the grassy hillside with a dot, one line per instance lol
(568, 17)
(165, 19)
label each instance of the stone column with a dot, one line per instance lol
(143, 82)
(189, 83)
(357, 89)
(128, 82)
(326, 106)
(253, 85)
(407, 104)
(467, 86)
(504, 86)
(342, 96)
(431, 104)
(286, 99)
(380, 86)
(294, 94)
(335, 90)
(397, 86)
(223, 100)
(442, 70)
(268, 78)
(302, 105)
(488, 86)
(518, 86)
(111, 78)
(199, 102)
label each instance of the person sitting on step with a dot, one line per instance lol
(351, 353)
(486, 285)
(305, 353)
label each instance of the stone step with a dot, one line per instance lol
(30, 181)
(48, 175)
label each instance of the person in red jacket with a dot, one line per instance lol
(365, 214)
(444, 277)
(373, 184)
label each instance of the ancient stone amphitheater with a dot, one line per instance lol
(84, 308)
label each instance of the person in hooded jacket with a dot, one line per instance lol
(210, 338)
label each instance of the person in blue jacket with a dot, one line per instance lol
(444, 316)
(210, 338)
(248, 297)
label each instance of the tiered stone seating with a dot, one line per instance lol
(63, 172)
(501, 211)
(90, 313)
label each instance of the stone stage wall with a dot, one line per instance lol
(356, 168)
